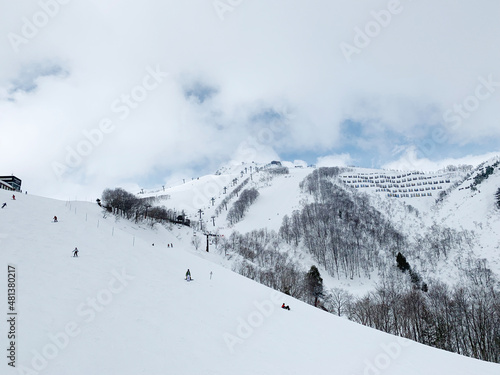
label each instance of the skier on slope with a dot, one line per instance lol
(55, 219)
(4, 204)
(188, 275)
(75, 252)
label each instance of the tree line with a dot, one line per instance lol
(344, 233)
(259, 256)
(120, 202)
(234, 193)
(463, 318)
(241, 206)
(349, 238)
(276, 171)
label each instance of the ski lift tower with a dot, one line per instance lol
(208, 234)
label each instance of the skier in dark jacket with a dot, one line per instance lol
(4, 204)
(75, 252)
(188, 275)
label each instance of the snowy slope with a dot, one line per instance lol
(475, 210)
(123, 307)
(409, 210)
(281, 197)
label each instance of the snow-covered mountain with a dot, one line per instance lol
(356, 225)
(123, 306)
(406, 198)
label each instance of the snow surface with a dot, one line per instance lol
(475, 210)
(123, 307)
(280, 195)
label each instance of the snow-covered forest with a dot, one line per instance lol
(396, 250)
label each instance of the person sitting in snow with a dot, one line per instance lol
(286, 307)
(75, 252)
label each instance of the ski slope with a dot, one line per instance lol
(280, 195)
(123, 307)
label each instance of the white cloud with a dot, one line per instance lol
(340, 160)
(411, 161)
(284, 54)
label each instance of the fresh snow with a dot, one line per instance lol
(123, 306)
(280, 195)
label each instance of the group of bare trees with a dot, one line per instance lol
(121, 202)
(342, 231)
(464, 318)
(311, 184)
(260, 258)
(278, 170)
(241, 206)
(437, 242)
(231, 195)
(349, 238)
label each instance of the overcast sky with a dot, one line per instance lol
(108, 93)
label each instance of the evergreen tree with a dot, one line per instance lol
(497, 196)
(415, 278)
(403, 265)
(314, 284)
